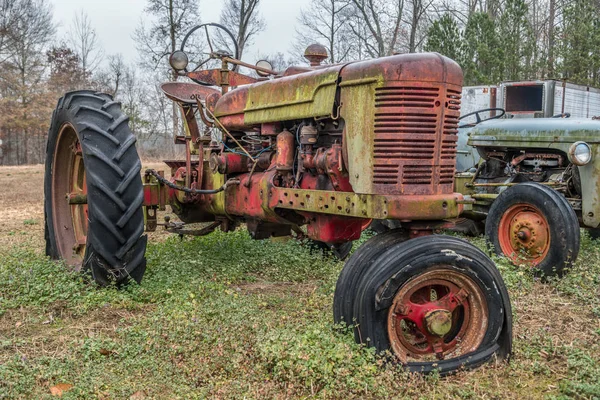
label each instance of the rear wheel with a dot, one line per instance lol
(436, 303)
(93, 190)
(534, 225)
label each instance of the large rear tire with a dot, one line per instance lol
(436, 303)
(534, 225)
(93, 190)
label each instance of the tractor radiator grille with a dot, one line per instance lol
(414, 138)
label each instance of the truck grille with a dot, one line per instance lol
(414, 152)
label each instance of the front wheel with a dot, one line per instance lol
(534, 225)
(93, 190)
(436, 303)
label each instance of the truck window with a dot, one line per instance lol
(524, 98)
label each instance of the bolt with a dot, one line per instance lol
(439, 322)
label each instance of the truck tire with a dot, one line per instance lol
(436, 303)
(359, 262)
(91, 159)
(534, 225)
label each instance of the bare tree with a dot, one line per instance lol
(10, 13)
(378, 25)
(170, 21)
(84, 40)
(326, 21)
(418, 14)
(241, 17)
(110, 78)
(25, 108)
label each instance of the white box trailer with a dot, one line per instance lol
(476, 98)
(543, 99)
(533, 99)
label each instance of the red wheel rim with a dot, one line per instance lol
(437, 315)
(524, 234)
(69, 182)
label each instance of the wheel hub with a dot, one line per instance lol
(524, 234)
(439, 314)
(438, 322)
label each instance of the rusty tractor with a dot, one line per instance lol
(318, 152)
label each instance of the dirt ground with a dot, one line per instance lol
(22, 205)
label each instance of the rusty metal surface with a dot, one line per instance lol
(524, 235)
(315, 54)
(366, 205)
(304, 95)
(440, 314)
(69, 182)
(187, 93)
(215, 77)
(403, 139)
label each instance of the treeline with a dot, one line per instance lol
(492, 40)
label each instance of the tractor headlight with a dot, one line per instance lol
(179, 60)
(580, 153)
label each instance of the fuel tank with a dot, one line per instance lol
(304, 95)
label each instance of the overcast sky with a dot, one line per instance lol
(115, 21)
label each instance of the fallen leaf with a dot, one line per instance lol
(58, 389)
(18, 324)
(105, 352)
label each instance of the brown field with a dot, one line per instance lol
(21, 202)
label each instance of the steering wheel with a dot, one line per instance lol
(213, 54)
(478, 118)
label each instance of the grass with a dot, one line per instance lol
(226, 317)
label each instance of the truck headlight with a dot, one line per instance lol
(580, 153)
(179, 60)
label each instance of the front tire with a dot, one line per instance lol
(534, 225)
(436, 303)
(354, 269)
(93, 190)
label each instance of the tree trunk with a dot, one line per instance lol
(174, 75)
(551, 18)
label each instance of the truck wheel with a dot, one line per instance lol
(93, 190)
(534, 225)
(436, 303)
(361, 260)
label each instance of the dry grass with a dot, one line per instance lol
(22, 205)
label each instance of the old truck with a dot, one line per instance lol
(535, 186)
(313, 151)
